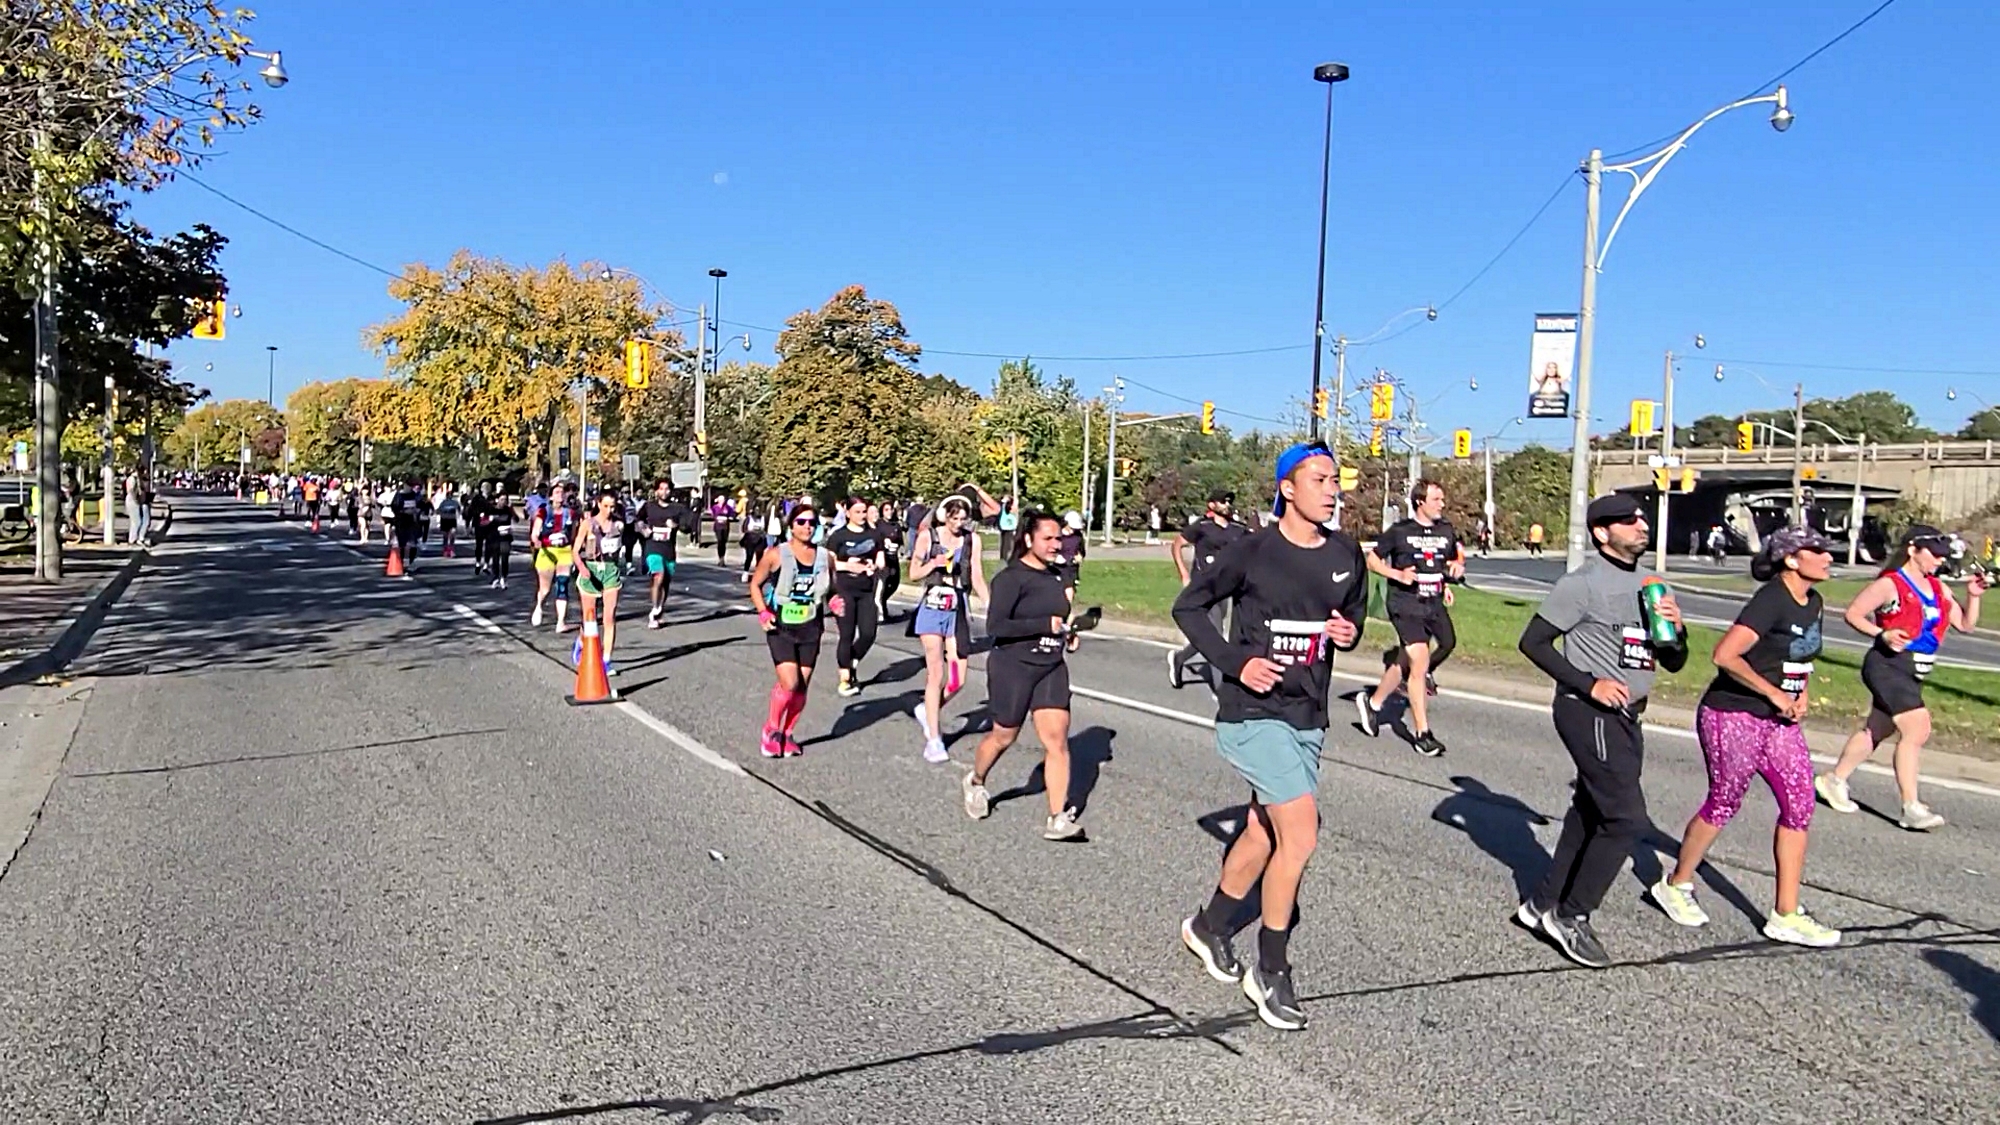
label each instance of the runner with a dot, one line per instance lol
(549, 532)
(1603, 673)
(1749, 724)
(1205, 540)
(597, 573)
(355, 507)
(1534, 540)
(856, 547)
(496, 533)
(309, 489)
(447, 514)
(754, 541)
(1417, 556)
(721, 513)
(1297, 590)
(660, 518)
(476, 504)
(1069, 562)
(1028, 619)
(789, 590)
(890, 529)
(946, 559)
(1907, 610)
(425, 509)
(405, 507)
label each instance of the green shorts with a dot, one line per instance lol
(596, 576)
(1280, 761)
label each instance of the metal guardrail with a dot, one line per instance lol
(1957, 452)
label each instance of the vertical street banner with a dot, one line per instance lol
(590, 446)
(1552, 356)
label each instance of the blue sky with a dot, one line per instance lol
(1143, 179)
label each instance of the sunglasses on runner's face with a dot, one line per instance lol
(1628, 521)
(804, 521)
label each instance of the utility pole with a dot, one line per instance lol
(1488, 509)
(48, 394)
(1586, 336)
(1666, 460)
(1084, 491)
(1854, 512)
(109, 470)
(701, 377)
(1117, 392)
(1798, 453)
(1339, 392)
(1014, 485)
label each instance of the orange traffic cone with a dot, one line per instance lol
(394, 567)
(591, 684)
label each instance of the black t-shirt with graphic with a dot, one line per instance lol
(1206, 540)
(1788, 639)
(663, 521)
(849, 545)
(1430, 549)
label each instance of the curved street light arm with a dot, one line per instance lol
(1654, 161)
(1375, 336)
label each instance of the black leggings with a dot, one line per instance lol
(892, 577)
(857, 621)
(406, 544)
(498, 547)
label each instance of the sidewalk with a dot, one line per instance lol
(42, 624)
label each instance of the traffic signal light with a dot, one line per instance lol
(1382, 402)
(1660, 478)
(1687, 480)
(1350, 478)
(701, 444)
(638, 365)
(1125, 467)
(1746, 437)
(1642, 417)
(1461, 444)
(1375, 441)
(1319, 403)
(210, 326)
(1208, 417)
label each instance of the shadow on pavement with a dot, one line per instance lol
(1500, 825)
(1978, 982)
(247, 758)
(1089, 749)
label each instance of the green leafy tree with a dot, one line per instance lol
(845, 399)
(217, 431)
(1530, 487)
(1983, 426)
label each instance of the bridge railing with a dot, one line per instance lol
(1814, 453)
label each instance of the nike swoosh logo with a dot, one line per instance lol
(1341, 575)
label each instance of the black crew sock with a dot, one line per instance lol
(1272, 956)
(1217, 917)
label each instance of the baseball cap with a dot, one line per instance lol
(1222, 496)
(1288, 463)
(1788, 541)
(1618, 507)
(1929, 538)
(1073, 520)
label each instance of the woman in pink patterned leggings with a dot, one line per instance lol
(1748, 722)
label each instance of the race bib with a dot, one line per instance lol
(1794, 677)
(409, 505)
(795, 613)
(1924, 662)
(503, 529)
(1635, 649)
(1430, 585)
(942, 598)
(1296, 644)
(558, 539)
(663, 534)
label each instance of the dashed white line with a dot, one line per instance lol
(679, 737)
(476, 618)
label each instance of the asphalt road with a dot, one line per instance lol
(1979, 650)
(327, 847)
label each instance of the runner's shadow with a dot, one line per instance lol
(1089, 749)
(1500, 825)
(1979, 983)
(860, 716)
(674, 653)
(897, 672)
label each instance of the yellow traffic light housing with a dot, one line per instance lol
(1461, 444)
(701, 444)
(210, 326)
(1382, 402)
(1375, 441)
(1320, 403)
(1746, 437)
(638, 365)
(1350, 478)
(1208, 417)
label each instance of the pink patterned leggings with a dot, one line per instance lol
(1738, 745)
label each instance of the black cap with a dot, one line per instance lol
(1615, 508)
(1222, 496)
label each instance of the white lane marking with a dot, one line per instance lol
(1189, 718)
(679, 737)
(476, 618)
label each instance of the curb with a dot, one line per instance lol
(84, 617)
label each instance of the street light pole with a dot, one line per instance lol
(1643, 171)
(1116, 393)
(1329, 73)
(715, 354)
(1798, 454)
(271, 377)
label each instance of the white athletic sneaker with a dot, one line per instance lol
(1918, 817)
(1062, 826)
(978, 805)
(535, 618)
(1678, 901)
(1800, 928)
(923, 724)
(1833, 791)
(935, 753)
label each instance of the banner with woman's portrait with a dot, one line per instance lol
(1550, 360)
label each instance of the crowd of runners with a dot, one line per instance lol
(1264, 612)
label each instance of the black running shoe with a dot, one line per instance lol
(1277, 1003)
(1428, 745)
(1576, 939)
(1213, 949)
(1370, 718)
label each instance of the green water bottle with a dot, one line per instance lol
(1661, 630)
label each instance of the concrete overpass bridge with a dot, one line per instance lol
(1753, 490)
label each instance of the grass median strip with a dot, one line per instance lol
(1965, 704)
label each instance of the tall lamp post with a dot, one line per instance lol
(1643, 170)
(1667, 464)
(1329, 73)
(715, 353)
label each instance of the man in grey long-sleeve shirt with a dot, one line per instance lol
(1603, 674)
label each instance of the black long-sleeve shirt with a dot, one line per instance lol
(1284, 594)
(1019, 615)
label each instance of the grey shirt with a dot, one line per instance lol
(1597, 607)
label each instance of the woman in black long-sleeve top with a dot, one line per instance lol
(1028, 619)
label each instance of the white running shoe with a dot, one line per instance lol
(923, 724)
(1062, 826)
(935, 753)
(978, 805)
(1918, 817)
(1800, 928)
(1678, 901)
(1833, 791)
(535, 618)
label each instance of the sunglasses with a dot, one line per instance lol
(1628, 521)
(803, 521)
